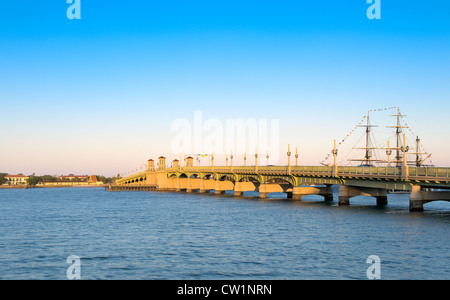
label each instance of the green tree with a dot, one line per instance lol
(49, 178)
(109, 180)
(33, 180)
(2, 178)
(101, 178)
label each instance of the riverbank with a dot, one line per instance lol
(14, 187)
(23, 187)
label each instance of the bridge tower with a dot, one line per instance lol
(151, 165)
(176, 164)
(161, 163)
(189, 161)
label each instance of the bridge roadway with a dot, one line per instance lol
(425, 184)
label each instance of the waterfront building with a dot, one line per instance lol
(16, 179)
(73, 177)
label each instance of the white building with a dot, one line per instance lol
(16, 179)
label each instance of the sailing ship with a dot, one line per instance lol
(382, 156)
(401, 149)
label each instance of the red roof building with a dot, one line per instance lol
(16, 179)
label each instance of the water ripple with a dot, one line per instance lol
(188, 236)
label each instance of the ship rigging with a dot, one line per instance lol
(375, 155)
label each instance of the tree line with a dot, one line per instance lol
(2, 178)
(34, 180)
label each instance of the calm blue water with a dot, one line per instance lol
(151, 235)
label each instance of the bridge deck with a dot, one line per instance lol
(354, 181)
(426, 176)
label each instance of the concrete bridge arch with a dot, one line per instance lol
(227, 177)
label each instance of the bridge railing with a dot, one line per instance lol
(429, 172)
(418, 173)
(272, 169)
(312, 169)
(387, 171)
(435, 172)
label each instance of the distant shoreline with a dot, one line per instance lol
(10, 187)
(18, 187)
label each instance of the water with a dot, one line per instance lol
(152, 235)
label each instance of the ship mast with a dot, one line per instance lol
(401, 148)
(419, 161)
(367, 160)
(398, 134)
(417, 152)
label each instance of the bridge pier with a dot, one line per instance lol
(382, 200)
(206, 185)
(241, 187)
(221, 186)
(354, 181)
(121, 188)
(418, 197)
(347, 192)
(267, 188)
(326, 192)
(208, 191)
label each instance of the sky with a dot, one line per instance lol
(100, 94)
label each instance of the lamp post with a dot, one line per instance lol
(334, 151)
(231, 161)
(404, 149)
(256, 160)
(405, 168)
(389, 152)
(289, 159)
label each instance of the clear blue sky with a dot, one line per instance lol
(98, 95)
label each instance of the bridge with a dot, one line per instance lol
(425, 184)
